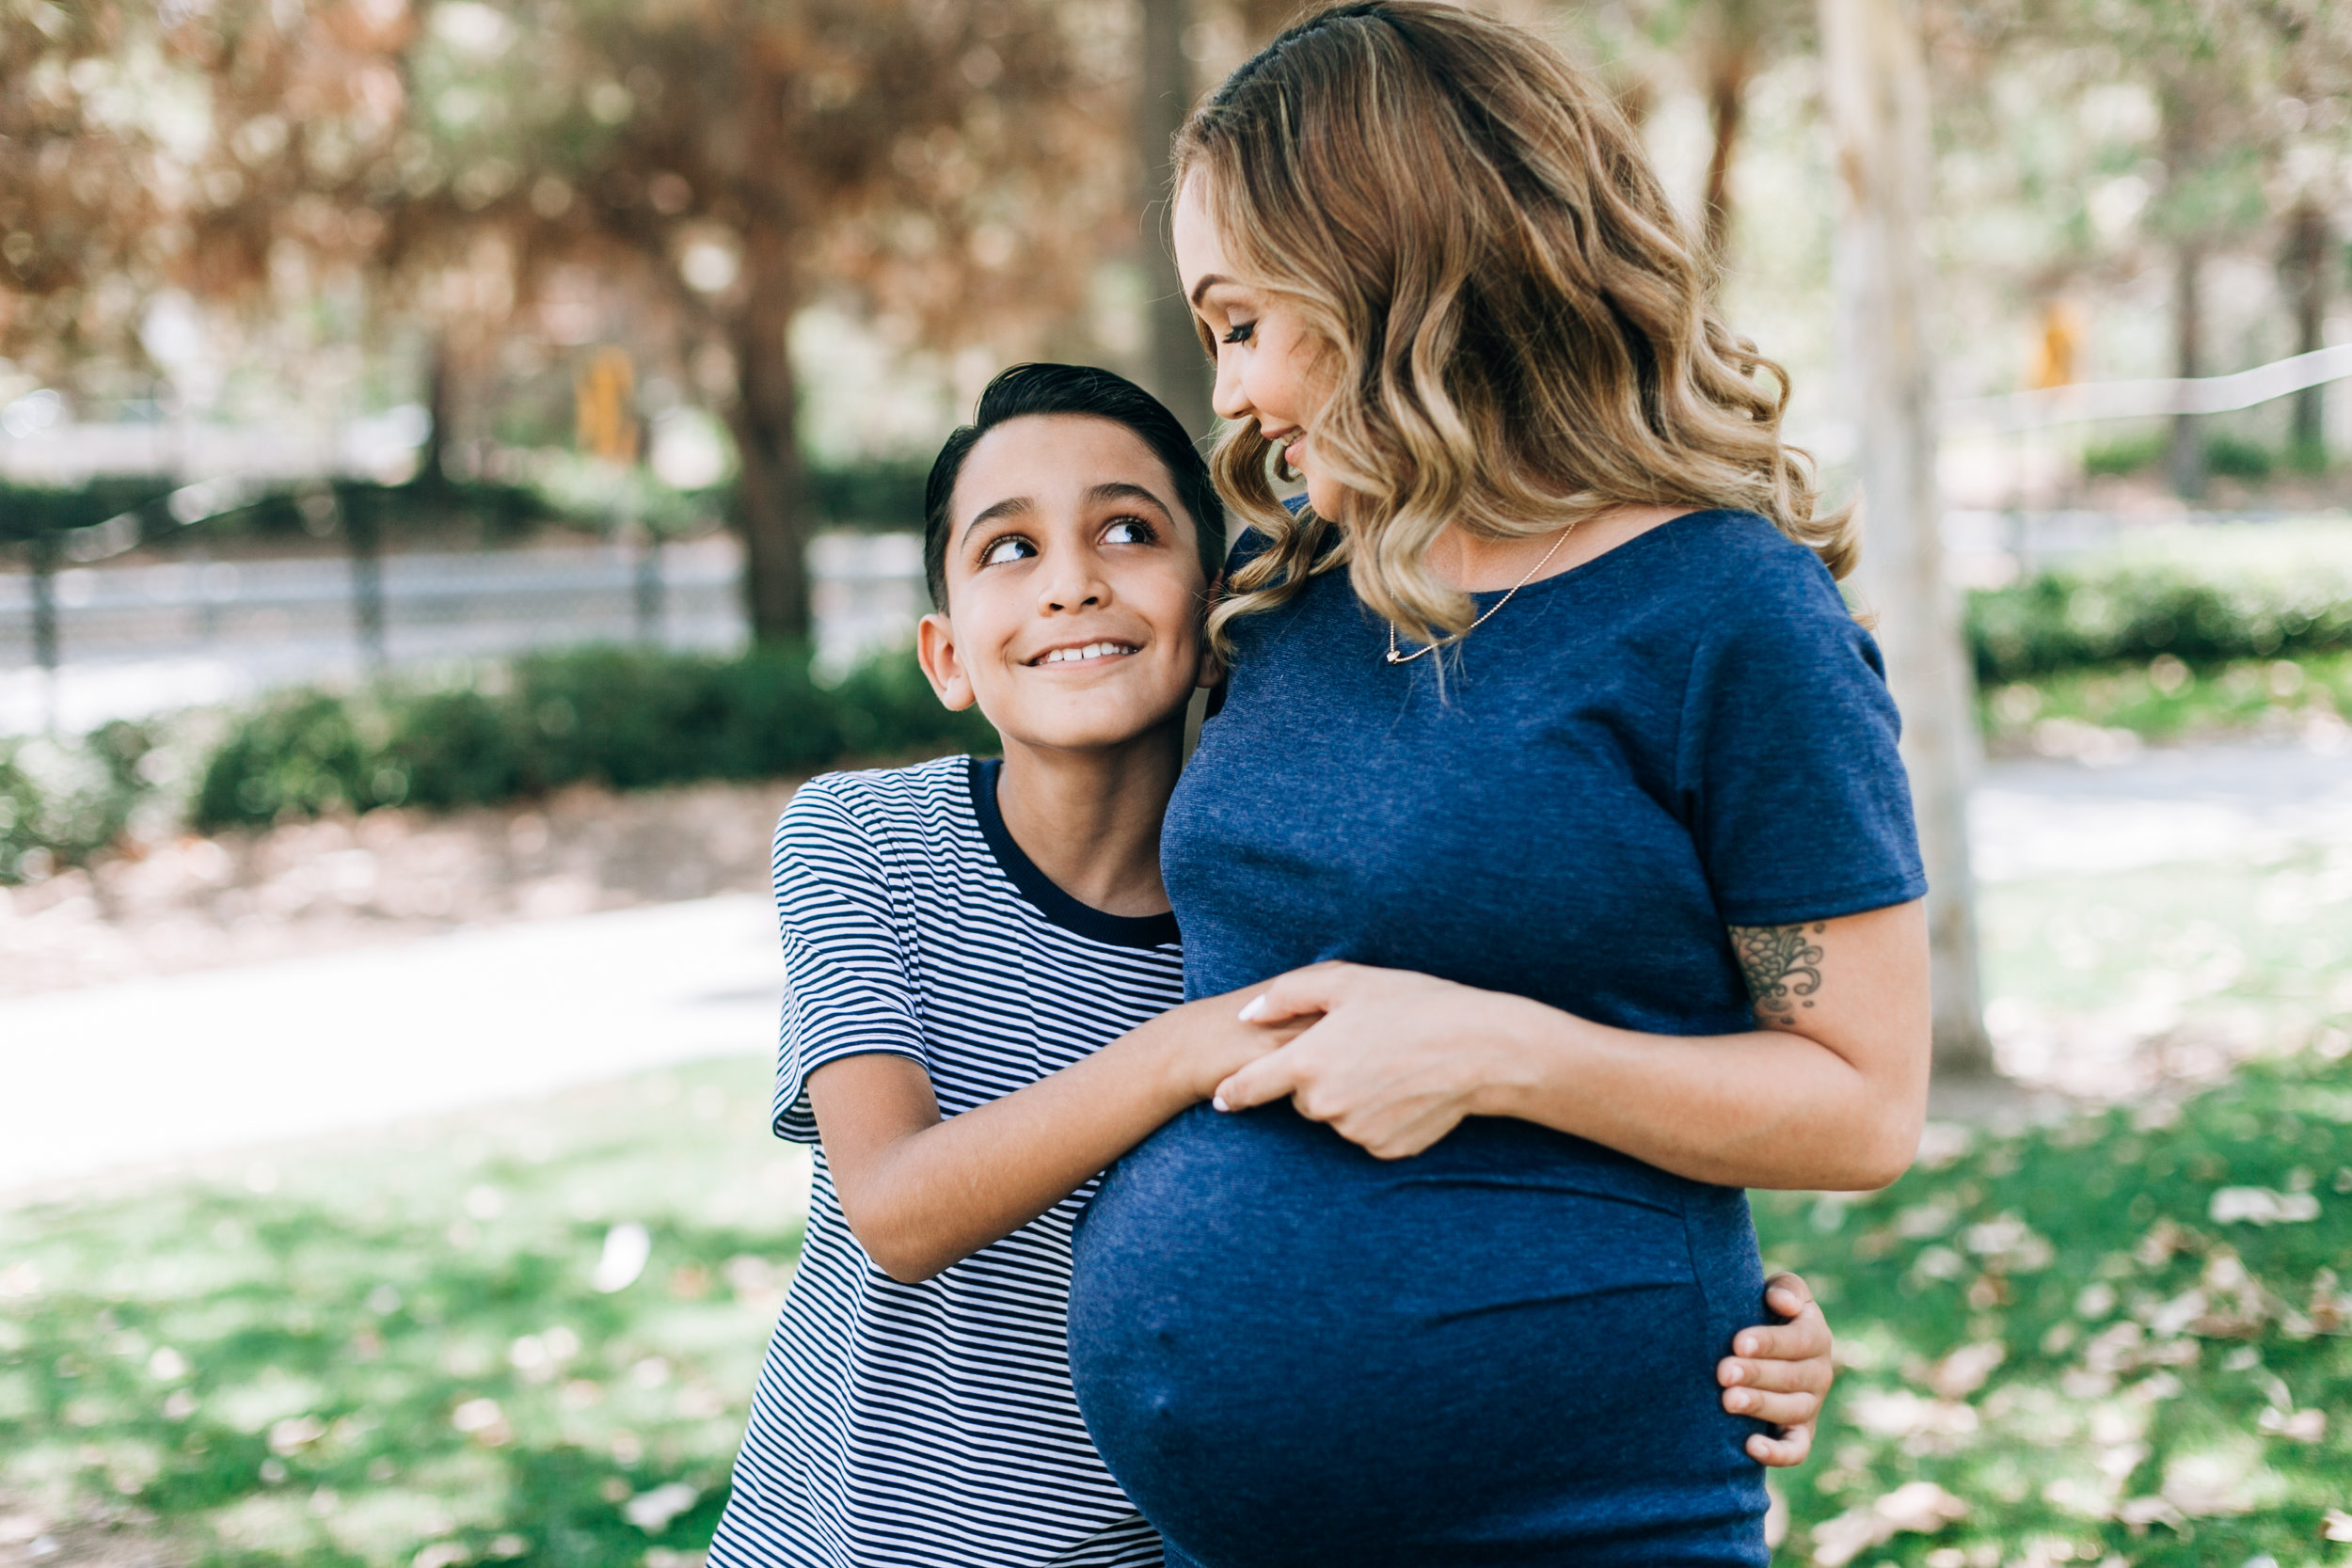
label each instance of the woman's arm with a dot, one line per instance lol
(921, 1192)
(1827, 1092)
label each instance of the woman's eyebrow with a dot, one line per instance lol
(1120, 490)
(1011, 506)
(1208, 281)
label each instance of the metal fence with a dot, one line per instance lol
(119, 641)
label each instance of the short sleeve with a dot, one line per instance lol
(1787, 768)
(849, 989)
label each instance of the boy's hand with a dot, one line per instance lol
(1780, 1372)
(1209, 1042)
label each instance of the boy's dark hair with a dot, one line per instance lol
(1084, 389)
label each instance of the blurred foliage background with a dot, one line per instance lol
(811, 229)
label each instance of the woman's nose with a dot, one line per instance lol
(1226, 397)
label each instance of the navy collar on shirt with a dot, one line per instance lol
(1120, 930)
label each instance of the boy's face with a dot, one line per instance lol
(1074, 594)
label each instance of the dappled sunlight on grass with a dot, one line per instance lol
(529, 1334)
(397, 1353)
(2113, 985)
(2122, 1339)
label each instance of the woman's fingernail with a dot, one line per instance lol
(1734, 1374)
(1256, 1010)
(1736, 1398)
(1220, 1102)
(1746, 1345)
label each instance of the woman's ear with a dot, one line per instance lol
(935, 650)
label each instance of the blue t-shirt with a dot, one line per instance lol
(1688, 732)
(1502, 1350)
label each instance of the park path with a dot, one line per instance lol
(110, 1076)
(152, 1071)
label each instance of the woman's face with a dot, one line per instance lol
(1267, 368)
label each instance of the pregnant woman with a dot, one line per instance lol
(1557, 780)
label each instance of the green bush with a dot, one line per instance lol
(2126, 455)
(62, 802)
(2256, 590)
(2231, 456)
(616, 716)
(2235, 457)
(298, 755)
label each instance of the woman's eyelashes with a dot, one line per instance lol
(1239, 332)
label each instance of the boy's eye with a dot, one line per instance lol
(1240, 332)
(1011, 547)
(1129, 530)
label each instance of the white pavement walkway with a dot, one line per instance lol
(157, 1070)
(121, 1075)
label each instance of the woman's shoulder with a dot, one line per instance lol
(1734, 563)
(1744, 541)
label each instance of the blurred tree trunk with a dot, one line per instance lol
(2304, 264)
(2185, 461)
(771, 488)
(1179, 374)
(2184, 145)
(1730, 65)
(1876, 87)
(441, 407)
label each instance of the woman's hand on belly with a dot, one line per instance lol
(1828, 1091)
(1393, 1064)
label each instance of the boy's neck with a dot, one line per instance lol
(1090, 819)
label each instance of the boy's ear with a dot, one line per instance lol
(935, 650)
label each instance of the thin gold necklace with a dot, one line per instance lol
(1395, 658)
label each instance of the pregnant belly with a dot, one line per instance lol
(1501, 1351)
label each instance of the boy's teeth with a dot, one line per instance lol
(1092, 650)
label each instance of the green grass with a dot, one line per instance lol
(2058, 1326)
(2167, 700)
(286, 1376)
(328, 1336)
(2066, 1332)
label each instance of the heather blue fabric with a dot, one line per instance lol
(1500, 1350)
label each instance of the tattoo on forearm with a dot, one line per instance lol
(1783, 967)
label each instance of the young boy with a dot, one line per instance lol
(984, 1014)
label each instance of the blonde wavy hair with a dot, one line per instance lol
(1518, 327)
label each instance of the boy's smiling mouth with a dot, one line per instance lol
(1085, 653)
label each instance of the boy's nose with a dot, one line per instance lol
(1075, 587)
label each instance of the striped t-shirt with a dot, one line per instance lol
(933, 1423)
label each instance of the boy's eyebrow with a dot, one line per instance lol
(1120, 490)
(1011, 506)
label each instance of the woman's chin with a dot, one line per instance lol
(1326, 496)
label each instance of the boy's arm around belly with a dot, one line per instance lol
(921, 1192)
